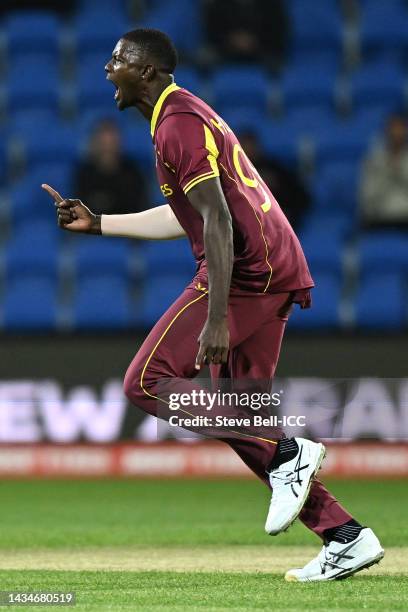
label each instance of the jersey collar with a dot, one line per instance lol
(158, 106)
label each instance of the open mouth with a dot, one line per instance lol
(116, 95)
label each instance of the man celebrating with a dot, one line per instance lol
(250, 271)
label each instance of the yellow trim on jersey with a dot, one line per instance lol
(210, 142)
(205, 292)
(260, 225)
(211, 147)
(159, 104)
(196, 177)
(199, 179)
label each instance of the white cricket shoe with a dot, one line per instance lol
(290, 484)
(336, 560)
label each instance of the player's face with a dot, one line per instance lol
(125, 70)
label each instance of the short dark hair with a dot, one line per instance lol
(157, 45)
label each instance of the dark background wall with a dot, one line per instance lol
(93, 360)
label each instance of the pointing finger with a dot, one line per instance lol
(54, 194)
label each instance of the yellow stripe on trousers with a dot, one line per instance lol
(152, 353)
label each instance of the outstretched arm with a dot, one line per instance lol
(158, 223)
(208, 199)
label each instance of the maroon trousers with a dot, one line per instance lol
(256, 323)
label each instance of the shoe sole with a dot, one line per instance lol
(344, 575)
(318, 465)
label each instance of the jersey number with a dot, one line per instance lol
(255, 181)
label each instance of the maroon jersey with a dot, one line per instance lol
(193, 144)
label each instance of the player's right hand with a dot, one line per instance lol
(73, 215)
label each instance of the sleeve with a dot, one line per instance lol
(187, 146)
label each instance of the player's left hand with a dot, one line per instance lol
(214, 343)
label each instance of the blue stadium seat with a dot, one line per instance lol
(305, 85)
(137, 143)
(45, 143)
(37, 60)
(379, 84)
(383, 251)
(112, 255)
(310, 120)
(380, 303)
(160, 292)
(323, 250)
(33, 83)
(384, 28)
(188, 78)
(241, 87)
(94, 92)
(338, 224)
(180, 20)
(22, 118)
(94, 5)
(347, 141)
(324, 313)
(32, 31)
(296, 123)
(370, 120)
(38, 232)
(281, 140)
(29, 201)
(240, 121)
(3, 157)
(335, 187)
(169, 257)
(315, 26)
(102, 301)
(59, 172)
(323, 61)
(99, 28)
(89, 119)
(30, 303)
(33, 249)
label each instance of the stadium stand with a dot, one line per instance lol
(32, 32)
(380, 302)
(319, 116)
(30, 304)
(324, 314)
(102, 301)
(384, 28)
(240, 86)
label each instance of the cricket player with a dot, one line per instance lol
(250, 272)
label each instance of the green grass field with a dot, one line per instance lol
(187, 546)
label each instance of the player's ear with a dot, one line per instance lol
(148, 73)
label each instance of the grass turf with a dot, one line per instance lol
(64, 518)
